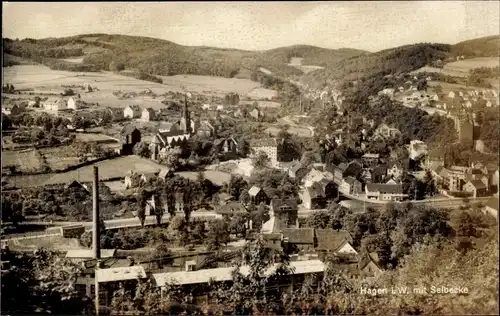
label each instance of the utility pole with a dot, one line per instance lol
(96, 234)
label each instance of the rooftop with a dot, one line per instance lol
(225, 274)
(120, 274)
(254, 191)
(385, 188)
(264, 142)
(329, 239)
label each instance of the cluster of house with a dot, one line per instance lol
(478, 180)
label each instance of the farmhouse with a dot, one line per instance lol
(55, 104)
(267, 146)
(385, 192)
(132, 111)
(257, 196)
(148, 115)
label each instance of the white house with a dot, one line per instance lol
(132, 111)
(451, 94)
(74, 103)
(55, 104)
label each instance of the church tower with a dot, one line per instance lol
(186, 118)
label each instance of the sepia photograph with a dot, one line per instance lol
(250, 158)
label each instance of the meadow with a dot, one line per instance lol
(461, 68)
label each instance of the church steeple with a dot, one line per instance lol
(186, 118)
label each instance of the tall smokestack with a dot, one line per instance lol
(96, 232)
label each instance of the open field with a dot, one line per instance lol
(261, 104)
(60, 158)
(261, 94)
(108, 169)
(461, 68)
(42, 78)
(447, 87)
(211, 85)
(112, 168)
(23, 161)
(96, 138)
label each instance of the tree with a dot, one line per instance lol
(430, 186)
(116, 66)
(319, 220)
(172, 158)
(236, 186)
(141, 210)
(217, 235)
(466, 227)
(238, 224)
(248, 292)
(261, 160)
(142, 149)
(42, 282)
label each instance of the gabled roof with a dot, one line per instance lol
(299, 235)
(366, 258)
(329, 239)
(120, 274)
(165, 172)
(296, 166)
(477, 184)
(315, 190)
(150, 110)
(264, 142)
(232, 208)
(276, 204)
(385, 188)
(254, 190)
(225, 274)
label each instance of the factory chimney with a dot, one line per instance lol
(96, 231)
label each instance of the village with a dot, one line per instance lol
(197, 180)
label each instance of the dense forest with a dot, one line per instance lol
(478, 47)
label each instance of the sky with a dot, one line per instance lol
(369, 26)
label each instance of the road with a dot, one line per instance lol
(355, 204)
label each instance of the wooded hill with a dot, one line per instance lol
(161, 57)
(400, 60)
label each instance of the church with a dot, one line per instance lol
(174, 135)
